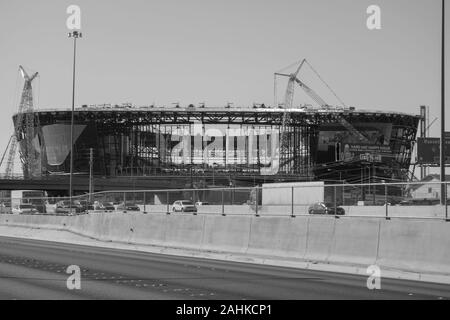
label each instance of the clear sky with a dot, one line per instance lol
(165, 51)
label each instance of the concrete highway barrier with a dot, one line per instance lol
(415, 245)
(276, 236)
(184, 230)
(356, 240)
(320, 238)
(226, 233)
(150, 229)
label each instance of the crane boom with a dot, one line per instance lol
(347, 125)
(24, 128)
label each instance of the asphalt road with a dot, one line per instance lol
(31, 269)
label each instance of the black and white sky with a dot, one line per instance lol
(165, 51)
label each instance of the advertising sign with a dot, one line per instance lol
(428, 150)
(366, 152)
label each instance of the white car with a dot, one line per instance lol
(98, 205)
(25, 208)
(184, 206)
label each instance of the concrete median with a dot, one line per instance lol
(37, 221)
(414, 245)
(149, 229)
(320, 237)
(276, 236)
(230, 234)
(355, 240)
(184, 230)
(116, 227)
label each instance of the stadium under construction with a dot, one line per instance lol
(131, 147)
(201, 146)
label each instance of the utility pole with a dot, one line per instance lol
(442, 155)
(75, 35)
(423, 134)
(91, 181)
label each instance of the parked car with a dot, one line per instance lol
(419, 202)
(201, 203)
(325, 208)
(108, 206)
(184, 206)
(128, 207)
(5, 208)
(65, 207)
(97, 205)
(25, 208)
(82, 205)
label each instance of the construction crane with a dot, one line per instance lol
(24, 129)
(288, 101)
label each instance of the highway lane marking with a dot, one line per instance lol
(58, 268)
(32, 278)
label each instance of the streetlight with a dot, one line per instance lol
(75, 35)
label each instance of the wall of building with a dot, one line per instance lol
(428, 190)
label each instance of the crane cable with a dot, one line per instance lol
(329, 88)
(318, 76)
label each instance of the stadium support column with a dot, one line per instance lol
(75, 35)
(442, 155)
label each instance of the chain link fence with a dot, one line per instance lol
(390, 200)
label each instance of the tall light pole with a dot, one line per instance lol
(75, 35)
(442, 155)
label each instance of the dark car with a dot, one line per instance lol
(128, 207)
(39, 205)
(325, 208)
(85, 204)
(65, 207)
(419, 202)
(109, 206)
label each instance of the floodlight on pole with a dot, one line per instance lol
(75, 35)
